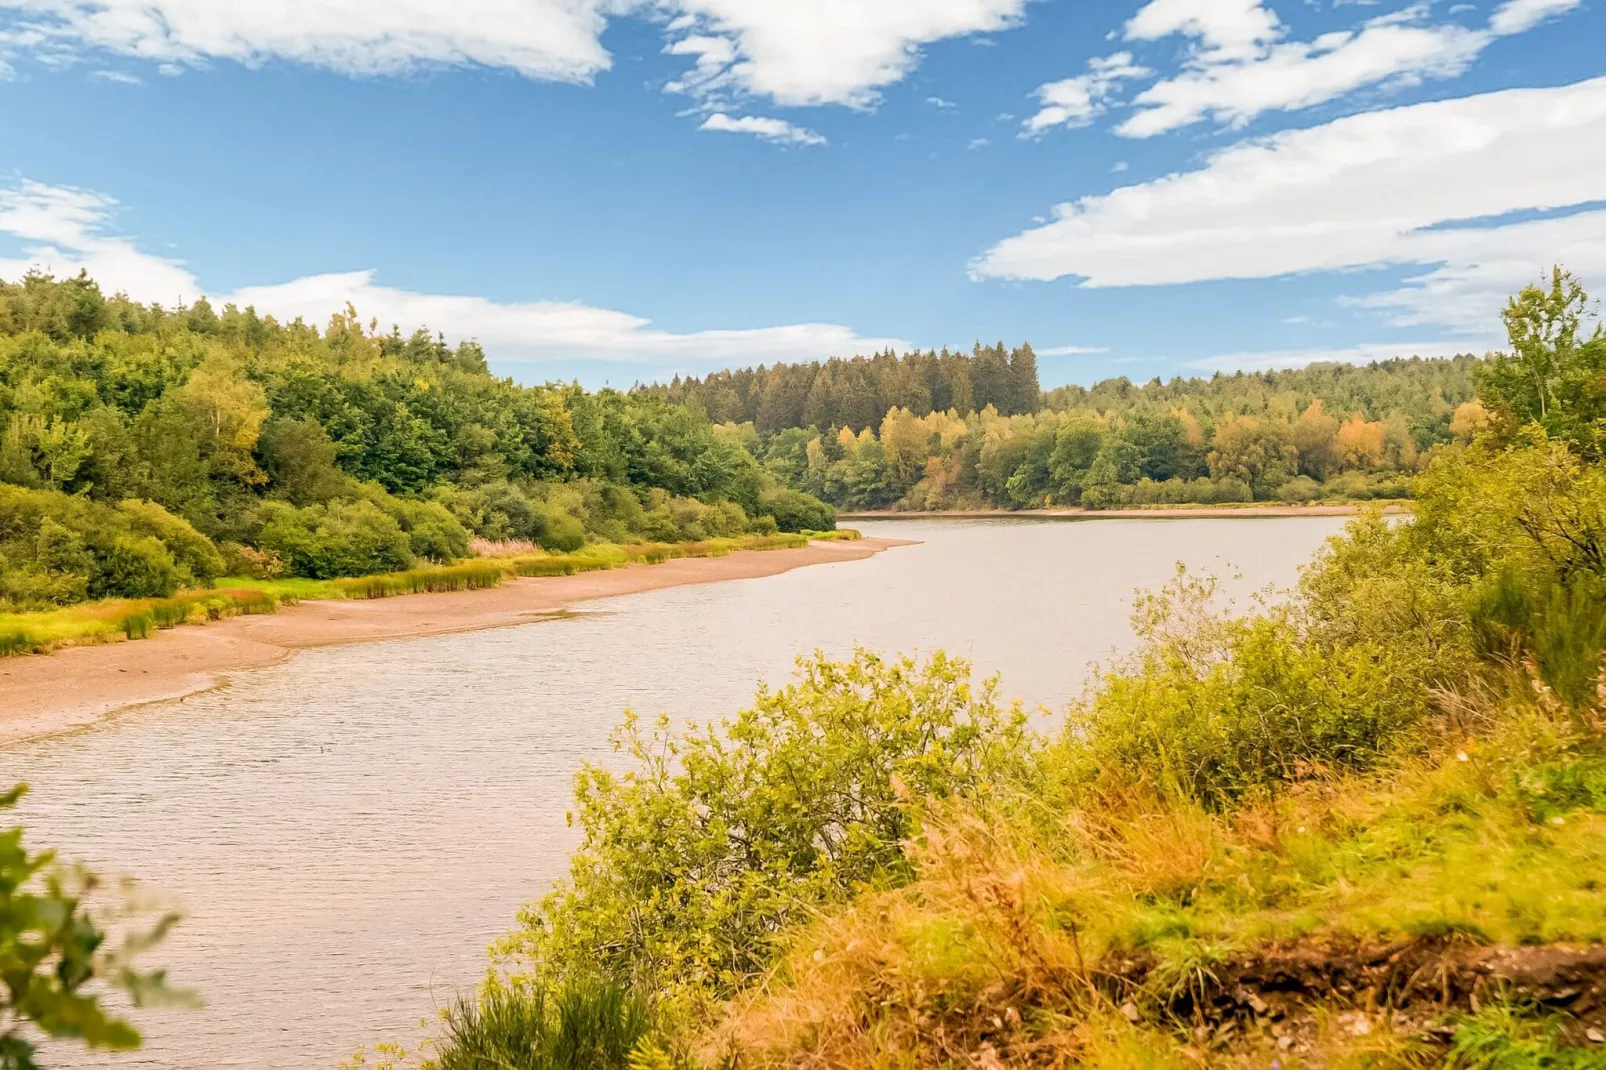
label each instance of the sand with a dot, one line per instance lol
(1177, 512)
(44, 694)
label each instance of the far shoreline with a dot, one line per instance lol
(46, 694)
(1179, 512)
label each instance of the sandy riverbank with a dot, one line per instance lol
(1179, 512)
(42, 694)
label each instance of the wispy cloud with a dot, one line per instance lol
(1389, 187)
(1241, 64)
(1075, 101)
(778, 131)
(1071, 351)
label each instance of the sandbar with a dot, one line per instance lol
(43, 694)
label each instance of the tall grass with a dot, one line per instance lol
(100, 622)
(475, 576)
(585, 1026)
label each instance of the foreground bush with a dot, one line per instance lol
(697, 857)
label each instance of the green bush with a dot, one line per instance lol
(793, 510)
(58, 549)
(58, 963)
(197, 560)
(1226, 708)
(133, 567)
(339, 539)
(694, 859)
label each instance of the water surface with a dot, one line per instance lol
(347, 831)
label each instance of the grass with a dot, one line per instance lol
(1027, 930)
(111, 620)
(120, 619)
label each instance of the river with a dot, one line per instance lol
(347, 831)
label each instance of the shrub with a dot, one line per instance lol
(58, 549)
(58, 962)
(1226, 708)
(197, 560)
(1299, 490)
(793, 510)
(134, 567)
(339, 539)
(693, 860)
(251, 562)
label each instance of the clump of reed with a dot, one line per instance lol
(474, 576)
(839, 535)
(502, 547)
(596, 1024)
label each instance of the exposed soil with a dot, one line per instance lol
(1178, 512)
(1410, 987)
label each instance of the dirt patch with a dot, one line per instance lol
(1413, 987)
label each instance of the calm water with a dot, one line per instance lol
(346, 832)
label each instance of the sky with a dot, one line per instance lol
(624, 190)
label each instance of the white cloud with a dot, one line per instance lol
(1071, 351)
(64, 231)
(940, 102)
(1241, 66)
(552, 39)
(793, 52)
(1268, 360)
(805, 52)
(1516, 16)
(1227, 29)
(1366, 190)
(777, 130)
(1075, 101)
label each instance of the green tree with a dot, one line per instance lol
(1554, 374)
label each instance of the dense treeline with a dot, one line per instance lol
(857, 393)
(1364, 826)
(955, 431)
(144, 448)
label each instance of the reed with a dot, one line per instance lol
(475, 576)
(101, 622)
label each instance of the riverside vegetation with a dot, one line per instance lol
(162, 464)
(1361, 826)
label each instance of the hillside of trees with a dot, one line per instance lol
(956, 431)
(145, 449)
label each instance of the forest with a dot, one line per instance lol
(938, 431)
(146, 450)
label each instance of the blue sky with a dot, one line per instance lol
(617, 190)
